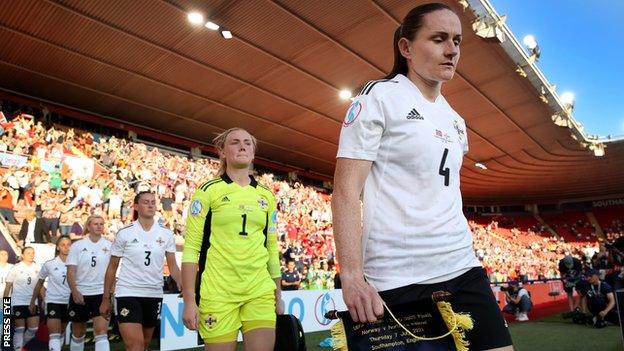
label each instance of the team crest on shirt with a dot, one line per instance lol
(124, 312)
(160, 241)
(105, 250)
(196, 207)
(460, 132)
(353, 113)
(211, 321)
(263, 203)
(443, 136)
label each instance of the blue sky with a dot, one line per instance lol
(582, 45)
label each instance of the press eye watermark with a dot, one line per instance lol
(6, 323)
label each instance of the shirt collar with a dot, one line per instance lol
(228, 180)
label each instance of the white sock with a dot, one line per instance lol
(55, 342)
(30, 334)
(18, 338)
(101, 343)
(76, 344)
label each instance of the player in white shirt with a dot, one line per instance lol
(5, 268)
(142, 248)
(86, 267)
(402, 147)
(19, 285)
(56, 293)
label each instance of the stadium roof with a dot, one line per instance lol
(279, 76)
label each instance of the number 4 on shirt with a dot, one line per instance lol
(445, 172)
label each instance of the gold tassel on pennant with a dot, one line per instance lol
(458, 323)
(339, 337)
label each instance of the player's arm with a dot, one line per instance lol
(72, 263)
(610, 305)
(190, 255)
(37, 290)
(174, 270)
(109, 280)
(8, 283)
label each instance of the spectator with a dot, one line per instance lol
(290, 277)
(6, 205)
(32, 231)
(518, 301)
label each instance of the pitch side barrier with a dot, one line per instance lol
(310, 307)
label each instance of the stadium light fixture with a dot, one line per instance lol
(226, 33)
(559, 120)
(212, 26)
(195, 18)
(567, 99)
(481, 165)
(489, 28)
(598, 149)
(531, 44)
(345, 94)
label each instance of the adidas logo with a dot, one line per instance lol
(413, 114)
(85, 249)
(135, 240)
(225, 199)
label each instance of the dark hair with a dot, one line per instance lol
(408, 29)
(137, 197)
(58, 241)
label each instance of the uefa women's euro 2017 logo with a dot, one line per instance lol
(324, 304)
(353, 113)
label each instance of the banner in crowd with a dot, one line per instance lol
(82, 167)
(12, 160)
(309, 306)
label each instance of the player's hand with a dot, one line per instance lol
(189, 315)
(32, 308)
(78, 298)
(105, 309)
(602, 314)
(362, 300)
(279, 306)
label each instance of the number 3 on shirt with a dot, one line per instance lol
(147, 258)
(446, 172)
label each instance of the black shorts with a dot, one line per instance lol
(142, 310)
(57, 311)
(470, 293)
(22, 312)
(82, 313)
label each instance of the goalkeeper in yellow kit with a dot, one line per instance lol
(230, 264)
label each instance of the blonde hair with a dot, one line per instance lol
(219, 143)
(85, 229)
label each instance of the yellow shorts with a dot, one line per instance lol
(220, 321)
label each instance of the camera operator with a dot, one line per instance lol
(518, 301)
(600, 300)
(570, 269)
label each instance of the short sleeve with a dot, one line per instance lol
(170, 245)
(74, 252)
(10, 278)
(43, 273)
(606, 288)
(363, 126)
(119, 244)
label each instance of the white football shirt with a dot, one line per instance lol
(4, 271)
(58, 289)
(414, 229)
(142, 259)
(91, 260)
(24, 278)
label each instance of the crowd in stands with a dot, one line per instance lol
(63, 195)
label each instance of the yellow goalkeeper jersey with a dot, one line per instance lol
(231, 235)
